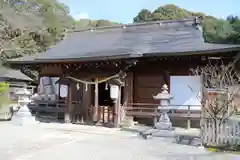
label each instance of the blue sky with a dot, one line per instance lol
(124, 10)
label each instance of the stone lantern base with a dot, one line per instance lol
(164, 127)
(23, 117)
(164, 122)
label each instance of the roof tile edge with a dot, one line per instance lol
(196, 21)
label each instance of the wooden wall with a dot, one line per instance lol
(51, 70)
(148, 79)
(146, 86)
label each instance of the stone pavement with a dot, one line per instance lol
(74, 142)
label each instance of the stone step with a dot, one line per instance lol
(128, 118)
(128, 123)
(6, 116)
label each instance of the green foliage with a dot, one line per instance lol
(215, 30)
(87, 23)
(4, 86)
(4, 91)
(144, 16)
(31, 26)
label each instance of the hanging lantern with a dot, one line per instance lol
(106, 86)
(77, 85)
(114, 92)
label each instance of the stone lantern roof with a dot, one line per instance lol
(164, 95)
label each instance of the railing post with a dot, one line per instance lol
(189, 118)
(155, 116)
(96, 107)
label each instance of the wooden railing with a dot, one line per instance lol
(218, 133)
(105, 113)
(50, 110)
(51, 106)
(146, 110)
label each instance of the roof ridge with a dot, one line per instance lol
(195, 20)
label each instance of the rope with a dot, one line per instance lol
(101, 81)
(90, 82)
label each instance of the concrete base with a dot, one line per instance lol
(163, 125)
(23, 117)
(164, 133)
(67, 118)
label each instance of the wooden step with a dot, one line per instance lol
(128, 122)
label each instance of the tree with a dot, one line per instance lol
(143, 16)
(222, 79)
(234, 37)
(215, 30)
(31, 26)
(87, 23)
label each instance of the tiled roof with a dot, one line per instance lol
(162, 38)
(13, 74)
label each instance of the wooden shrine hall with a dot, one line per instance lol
(103, 73)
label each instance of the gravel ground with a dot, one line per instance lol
(73, 142)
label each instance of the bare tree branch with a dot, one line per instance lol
(223, 80)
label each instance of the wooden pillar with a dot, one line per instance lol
(119, 108)
(129, 89)
(86, 100)
(69, 105)
(115, 115)
(58, 98)
(203, 111)
(95, 108)
(117, 104)
(108, 114)
(128, 93)
(189, 118)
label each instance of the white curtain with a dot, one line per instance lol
(185, 91)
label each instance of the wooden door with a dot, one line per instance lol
(77, 95)
(145, 87)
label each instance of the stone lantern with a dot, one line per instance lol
(164, 122)
(23, 115)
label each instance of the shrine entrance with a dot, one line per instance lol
(100, 101)
(78, 115)
(106, 104)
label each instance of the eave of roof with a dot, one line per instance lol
(83, 59)
(129, 56)
(159, 38)
(13, 74)
(210, 49)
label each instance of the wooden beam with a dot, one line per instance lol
(115, 115)
(96, 105)
(128, 90)
(86, 99)
(119, 106)
(69, 105)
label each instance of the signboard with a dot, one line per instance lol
(63, 91)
